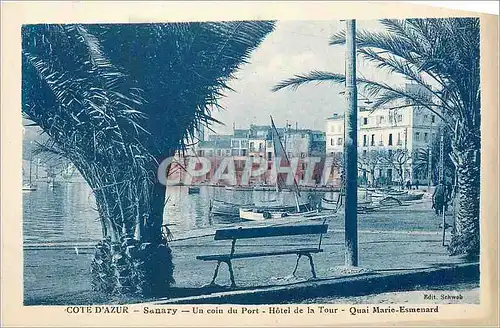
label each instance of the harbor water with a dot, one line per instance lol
(67, 212)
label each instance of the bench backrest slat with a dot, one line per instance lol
(257, 232)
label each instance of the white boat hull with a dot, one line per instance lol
(257, 215)
(29, 188)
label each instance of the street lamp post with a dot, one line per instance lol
(441, 178)
(429, 164)
(350, 149)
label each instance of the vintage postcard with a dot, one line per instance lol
(248, 164)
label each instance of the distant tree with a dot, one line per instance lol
(370, 161)
(397, 160)
(420, 161)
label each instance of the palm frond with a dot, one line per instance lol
(316, 77)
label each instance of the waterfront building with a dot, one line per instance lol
(239, 142)
(215, 146)
(382, 134)
(258, 137)
(256, 141)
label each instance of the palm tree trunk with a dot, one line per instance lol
(153, 227)
(154, 259)
(465, 238)
(125, 264)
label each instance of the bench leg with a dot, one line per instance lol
(215, 273)
(296, 264)
(231, 273)
(312, 265)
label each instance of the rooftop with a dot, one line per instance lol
(215, 144)
(254, 127)
(240, 133)
(336, 116)
(214, 137)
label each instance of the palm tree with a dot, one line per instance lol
(440, 56)
(420, 159)
(116, 100)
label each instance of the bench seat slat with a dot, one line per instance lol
(256, 232)
(225, 257)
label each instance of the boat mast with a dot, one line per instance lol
(296, 191)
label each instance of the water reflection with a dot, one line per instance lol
(67, 212)
(64, 212)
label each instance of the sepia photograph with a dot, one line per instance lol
(276, 166)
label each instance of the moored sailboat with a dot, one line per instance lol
(219, 207)
(258, 213)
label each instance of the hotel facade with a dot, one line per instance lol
(382, 133)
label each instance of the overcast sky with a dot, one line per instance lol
(293, 47)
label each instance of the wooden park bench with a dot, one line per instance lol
(262, 232)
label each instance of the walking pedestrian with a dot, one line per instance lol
(416, 184)
(438, 197)
(408, 184)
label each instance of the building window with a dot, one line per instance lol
(433, 119)
(339, 141)
(269, 155)
(381, 120)
(365, 120)
(252, 148)
(331, 142)
(243, 152)
(364, 140)
(400, 118)
(425, 136)
(372, 143)
(417, 136)
(390, 139)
